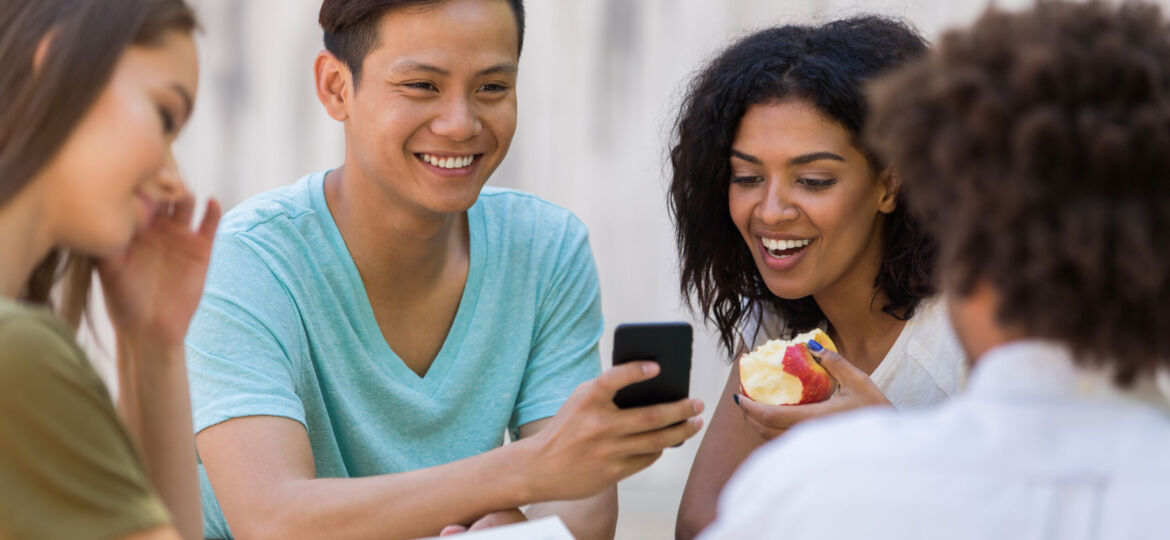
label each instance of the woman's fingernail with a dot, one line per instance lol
(814, 346)
(735, 398)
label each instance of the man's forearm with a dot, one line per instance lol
(592, 518)
(402, 505)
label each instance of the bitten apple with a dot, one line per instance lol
(782, 372)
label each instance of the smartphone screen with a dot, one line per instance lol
(668, 344)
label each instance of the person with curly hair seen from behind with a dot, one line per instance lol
(95, 93)
(786, 222)
(1038, 143)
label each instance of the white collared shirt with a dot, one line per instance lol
(1034, 448)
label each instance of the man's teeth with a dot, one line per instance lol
(781, 245)
(457, 162)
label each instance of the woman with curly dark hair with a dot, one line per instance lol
(787, 222)
(1038, 144)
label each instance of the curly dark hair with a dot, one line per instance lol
(826, 66)
(1038, 145)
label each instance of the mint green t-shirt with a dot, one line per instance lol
(285, 329)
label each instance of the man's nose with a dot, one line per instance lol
(458, 121)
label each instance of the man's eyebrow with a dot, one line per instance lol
(411, 65)
(508, 68)
(746, 157)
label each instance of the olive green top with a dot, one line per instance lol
(68, 468)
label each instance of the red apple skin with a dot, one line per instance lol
(796, 364)
(818, 385)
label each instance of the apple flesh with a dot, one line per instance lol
(782, 372)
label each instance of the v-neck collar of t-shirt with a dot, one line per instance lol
(905, 348)
(375, 341)
(899, 352)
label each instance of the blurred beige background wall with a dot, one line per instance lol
(599, 85)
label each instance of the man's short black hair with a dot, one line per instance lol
(351, 26)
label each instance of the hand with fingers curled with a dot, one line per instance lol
(153, 287)
(591, 444)
(855, 390)
(494, 519)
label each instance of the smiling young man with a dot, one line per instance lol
(369, 333)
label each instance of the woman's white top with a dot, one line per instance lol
(925, 365)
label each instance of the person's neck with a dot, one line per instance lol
(26, 240)
(862, 332)
(390, 242)
(974, 316)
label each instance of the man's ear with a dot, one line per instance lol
(891, 185)
(334, 84)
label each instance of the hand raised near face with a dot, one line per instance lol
(153, 286)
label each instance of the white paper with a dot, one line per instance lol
(546, 528)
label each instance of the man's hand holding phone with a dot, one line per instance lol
(591, 444)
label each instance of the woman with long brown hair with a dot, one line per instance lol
(94, 93)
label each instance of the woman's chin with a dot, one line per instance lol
(790, 296)
(788, 290)
(101, 246)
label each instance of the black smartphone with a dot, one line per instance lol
(668, 344)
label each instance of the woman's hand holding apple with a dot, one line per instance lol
(855, 390)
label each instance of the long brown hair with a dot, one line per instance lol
(43, 103)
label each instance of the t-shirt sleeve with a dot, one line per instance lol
(568, 326)
(68, 468)
(244, 340)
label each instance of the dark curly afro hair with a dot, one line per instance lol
(1038, 146)
(826, 66)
